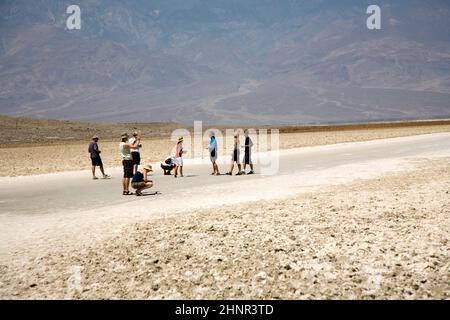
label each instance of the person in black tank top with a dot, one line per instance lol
(248, 152)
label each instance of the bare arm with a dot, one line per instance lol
(145, 177)
(135, 145)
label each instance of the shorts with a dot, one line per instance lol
(127, 168)
(213, 155)
(138, 185)
(97, 162)
(136, 158)
(248, 158)
(178, 161)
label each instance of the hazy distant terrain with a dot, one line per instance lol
(261, 61)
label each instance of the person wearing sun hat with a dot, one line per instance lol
(178, 159)
(140, 181)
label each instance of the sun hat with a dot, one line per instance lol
(95, 137)
(135, 133)
(147, 167)
(124, 135)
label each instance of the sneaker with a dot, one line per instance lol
(251, 172)
(174, 175)
(229, 174)
(239, 174)
(94, 178)
(106, 176)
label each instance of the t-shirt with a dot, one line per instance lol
(138, 177)
(237, 148)
(93, 150)
(212, 148)
(248, 144)
(125, 152)
(131, 141)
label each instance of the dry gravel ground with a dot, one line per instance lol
(377, 239)
(73, 156)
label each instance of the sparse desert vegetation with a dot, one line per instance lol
(30, 146)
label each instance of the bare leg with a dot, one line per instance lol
(239, 167)
(103, 171)
(126, 184)
(176, 171)
(181, 170)
(148, 185)
(93, 171)
(251, 166)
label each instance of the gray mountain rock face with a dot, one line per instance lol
(234, 61)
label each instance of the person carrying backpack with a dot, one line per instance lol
(213, 155)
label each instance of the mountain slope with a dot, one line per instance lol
(225, 61)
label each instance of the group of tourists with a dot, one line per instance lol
(130, 152)
(235, 155)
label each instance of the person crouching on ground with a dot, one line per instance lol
(248, 152)
(213, 155)
(178, 159)
(96, 160)
(140, 181)
(127, 162)
(235, 157)
(167, 166)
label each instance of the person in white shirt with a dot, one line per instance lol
(127, 162)
(135, 151)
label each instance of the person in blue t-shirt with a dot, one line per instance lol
(213, 155)
(140, 181)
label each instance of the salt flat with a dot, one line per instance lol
(51, 222)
